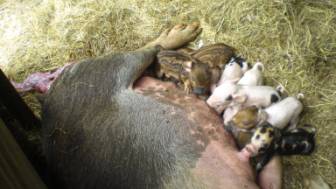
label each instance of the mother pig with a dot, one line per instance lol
(106, 128)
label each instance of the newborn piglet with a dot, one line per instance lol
(297, 141)
(233, 71)
(229, 94)
(285, 113)
(242, 123)
(216, 56)
(281, 114)
(194, 75)
(268, 141)
(253, 76)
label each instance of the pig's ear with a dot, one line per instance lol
(240, 99)
(188, 66)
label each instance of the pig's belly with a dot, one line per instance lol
(191, 108)
(134, 138)
(219, 155)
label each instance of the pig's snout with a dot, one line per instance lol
(250, 150)
(263, 137)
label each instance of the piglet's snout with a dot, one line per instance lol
(252, 149)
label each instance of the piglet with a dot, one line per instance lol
(233, 71)
(230, 112)
(285, 113)
(268, 141)
(229, 94)
(253, 76)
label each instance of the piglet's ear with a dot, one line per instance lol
(240, 99)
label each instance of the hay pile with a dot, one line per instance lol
(295, 39)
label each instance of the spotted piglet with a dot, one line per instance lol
(229, 94)
(268, 141)
(285, 113)
(233, 71)
(243, 124)
(253, 76)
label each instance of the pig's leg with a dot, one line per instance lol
(271, 175)
(39, 82)
(169, 39)
(293, 123)
(133, 65)
(176, 37)
(264, 160)
(136, 62)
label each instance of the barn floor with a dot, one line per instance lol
(296, 40)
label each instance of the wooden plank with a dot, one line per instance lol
(15, 104)
(16, 172)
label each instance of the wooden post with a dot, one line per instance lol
(15, 104)
(19, 119)
(16, 172)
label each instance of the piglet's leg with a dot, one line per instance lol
(293, 123)
(271, 175)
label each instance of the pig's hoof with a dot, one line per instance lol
(179, 35)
